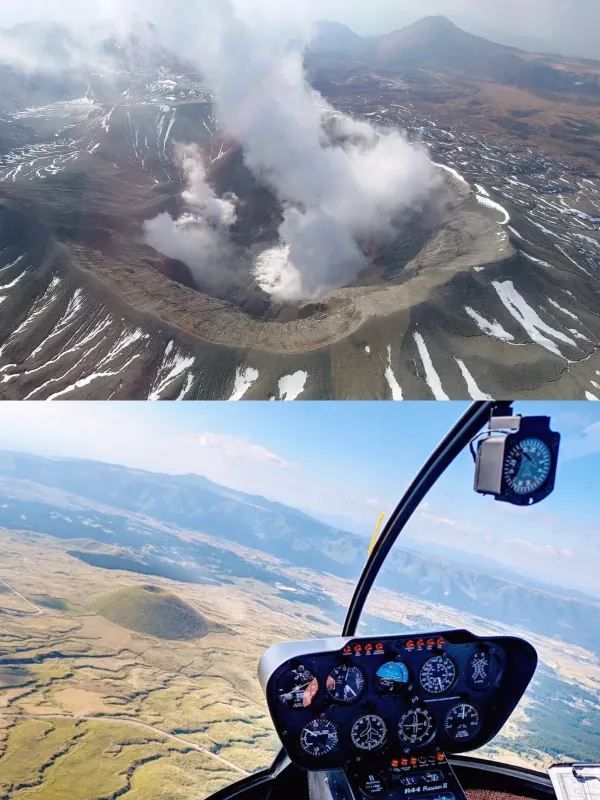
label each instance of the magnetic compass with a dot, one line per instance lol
(517, 467)
(527, 466)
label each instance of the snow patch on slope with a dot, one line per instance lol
(530, 319)
(475, 392)
(485, 201)
(431, 376)
(491, 328)
(245, 378)
(173, 367)
(292, 386)
(395, 387)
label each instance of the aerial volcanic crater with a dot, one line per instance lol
(226, 233)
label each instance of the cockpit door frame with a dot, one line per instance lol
(455, 441)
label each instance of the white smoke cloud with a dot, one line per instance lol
(199, 195)
(342, 184)
(200, 236)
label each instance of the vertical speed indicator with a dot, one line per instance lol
(462, 722)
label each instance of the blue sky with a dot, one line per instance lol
(347, 463)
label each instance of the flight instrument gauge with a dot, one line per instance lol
(368, 732)
(319, 737)
(462, 722)
(482, 669)
(297, 687)
(527, 466)
(437, 674)
(345, 683)
(416, 726)
(392, 677)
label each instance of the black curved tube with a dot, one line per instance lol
(459, 437)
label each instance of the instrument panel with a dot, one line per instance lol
(340, 703)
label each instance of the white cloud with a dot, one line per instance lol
(165, 440)
(584, 444)
(235, 448)
(375, 502)
(543, 548)
(445, 521)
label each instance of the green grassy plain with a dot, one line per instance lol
(94, 709)
(91, 709)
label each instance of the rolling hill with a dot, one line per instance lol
(149, 610)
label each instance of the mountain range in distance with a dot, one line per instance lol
(113, 517)
(437, 43)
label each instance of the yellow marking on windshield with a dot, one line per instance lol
(376, 532)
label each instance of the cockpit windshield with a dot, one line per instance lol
(467, 561)
(150, 557)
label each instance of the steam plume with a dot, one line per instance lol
(199, 237)
(341, 183)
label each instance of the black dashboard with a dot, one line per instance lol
(390, 705)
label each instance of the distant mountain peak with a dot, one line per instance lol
(331, 26)
(328, 35)
(431, 28)
(438, 21)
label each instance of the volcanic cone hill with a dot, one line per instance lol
(152, 611)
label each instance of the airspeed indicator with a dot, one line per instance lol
(345, 684)
(437, 674)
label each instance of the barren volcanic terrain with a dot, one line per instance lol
(491, 292)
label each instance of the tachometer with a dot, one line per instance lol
(345, 683)
(482, 669)
(416, 726)
(462, 722)
(297, 687)
(527, 466)
(437, 674)
(368, 732)
(319, 737)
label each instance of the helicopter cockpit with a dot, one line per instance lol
(387, 711)
(392, 715)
